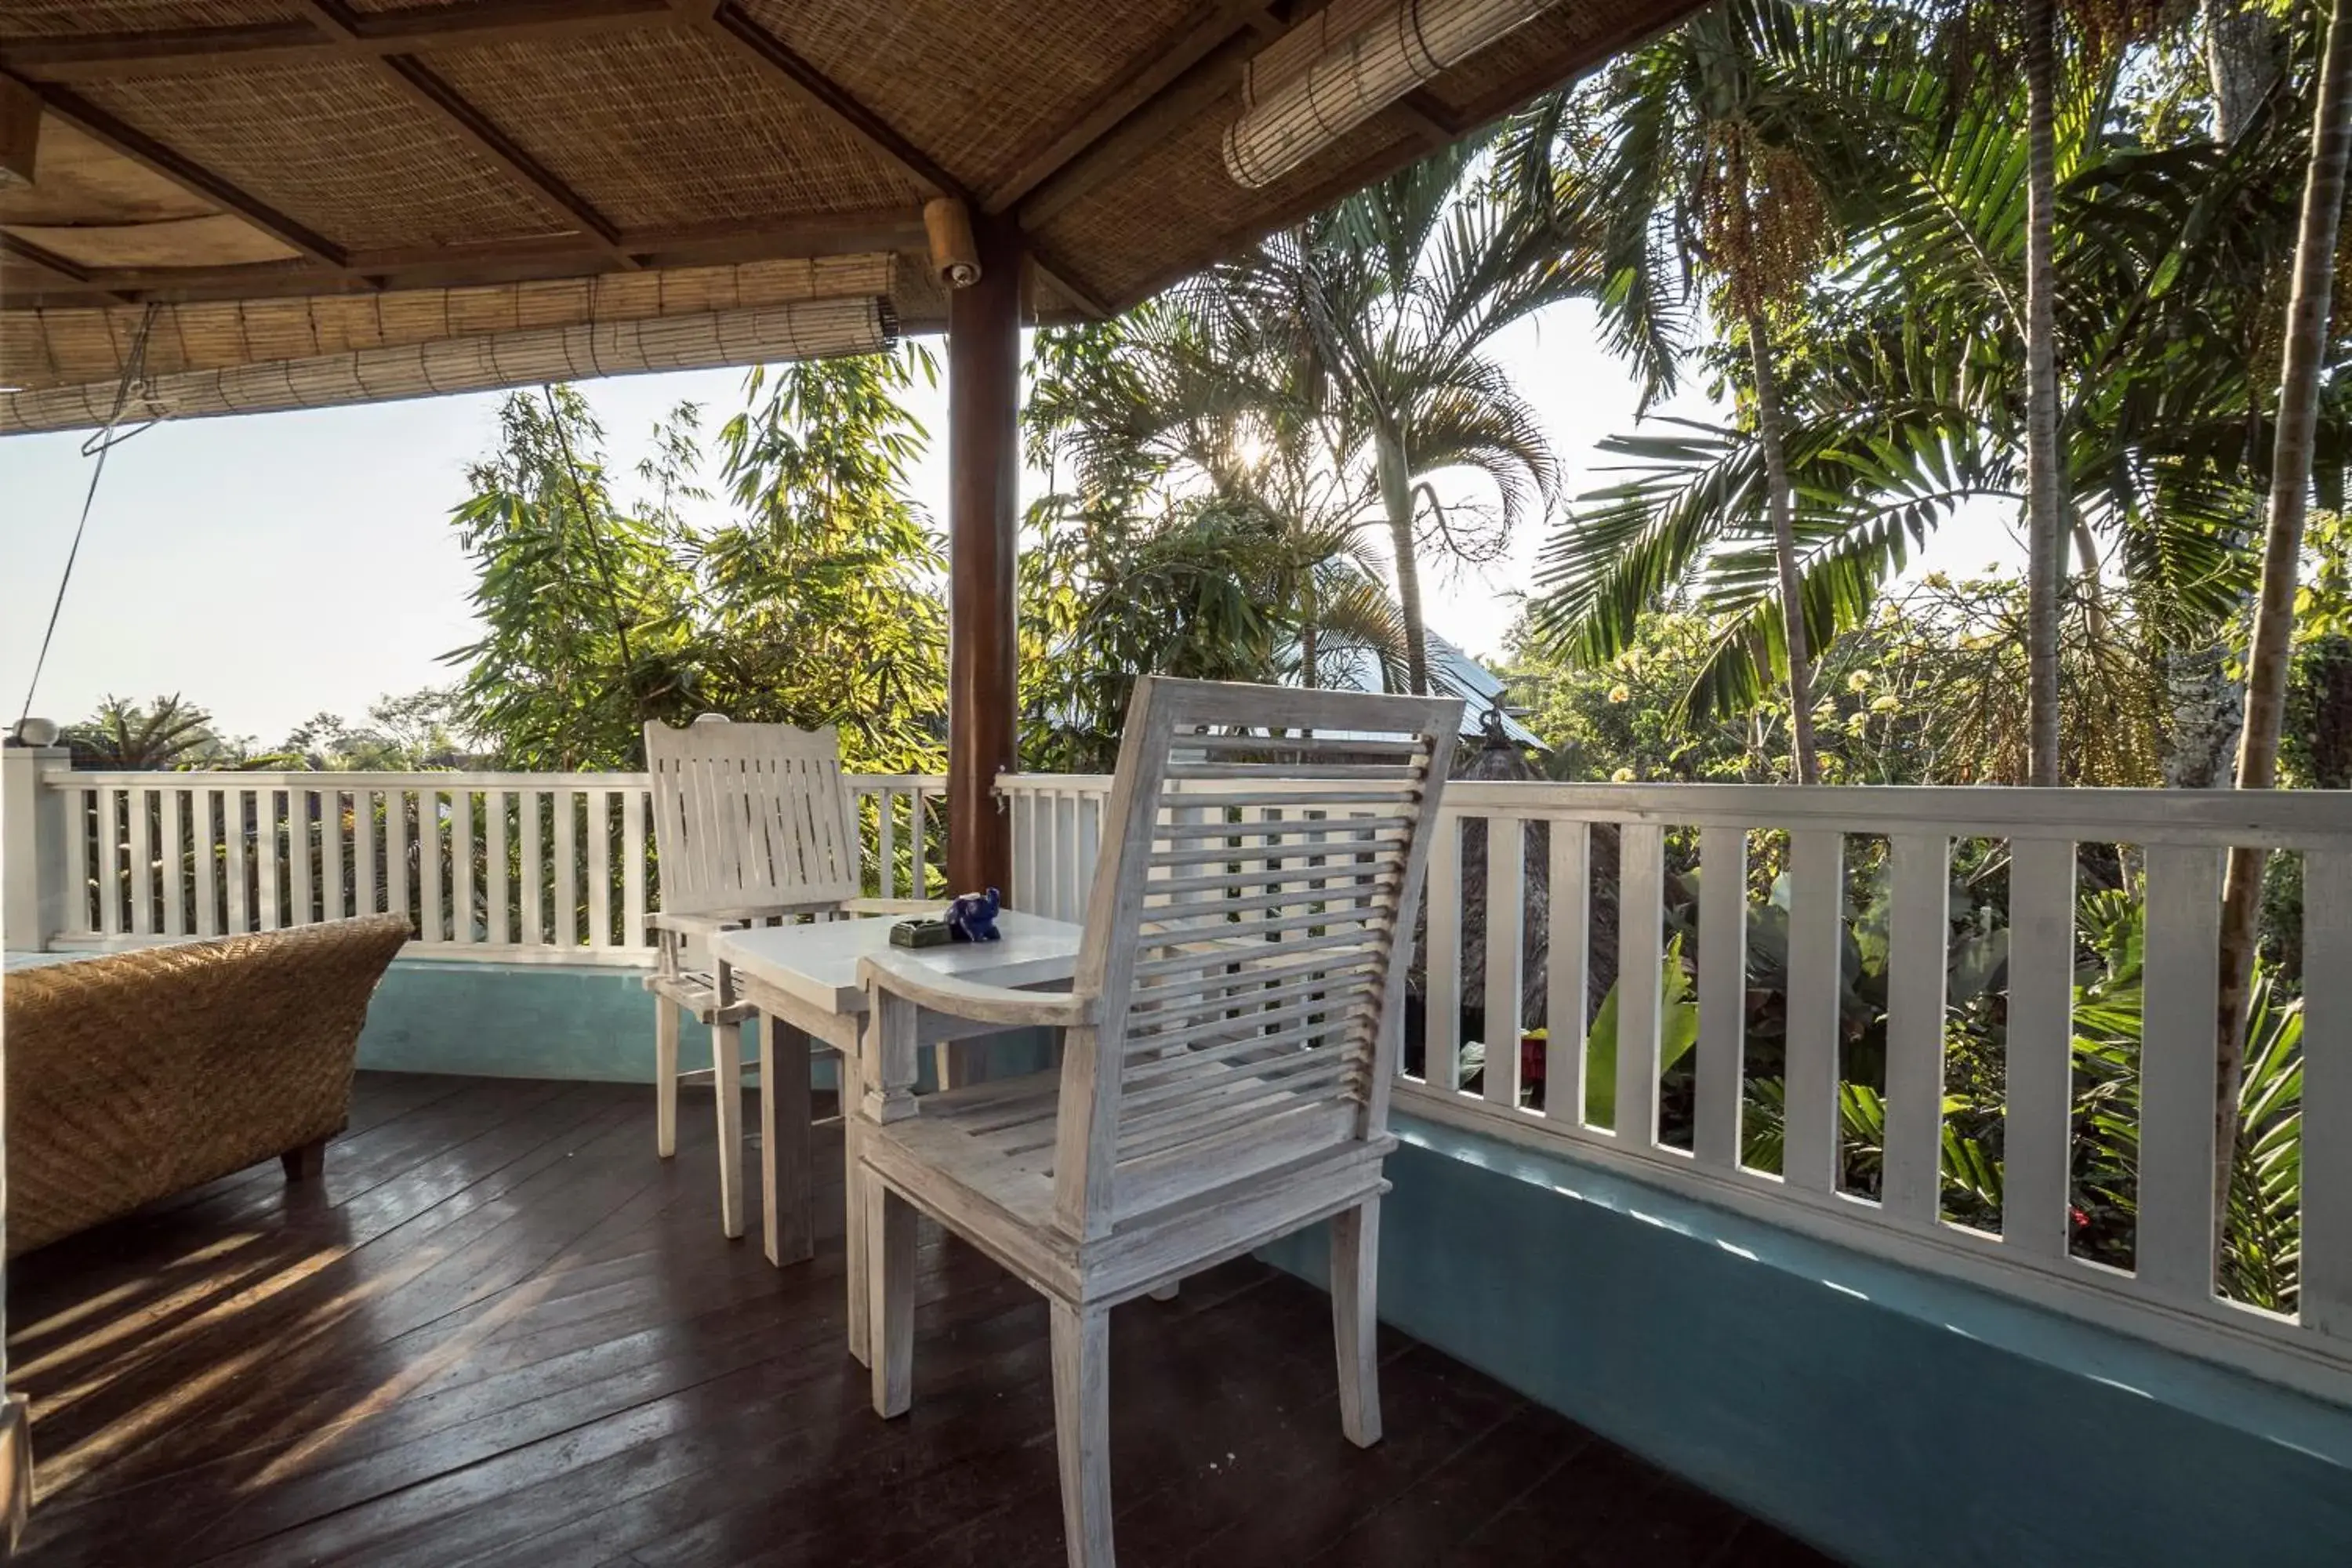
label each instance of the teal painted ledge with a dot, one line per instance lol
(1892, 1418)
(541, 1020)
(519, 1020)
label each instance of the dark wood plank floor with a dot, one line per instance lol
(500, 1332)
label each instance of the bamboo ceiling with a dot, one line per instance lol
(287, 178)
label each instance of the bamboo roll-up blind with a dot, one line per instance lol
(1299, 105)
(801, 329)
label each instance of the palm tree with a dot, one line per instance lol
(2045, 547)
(1698, 160)
(1906, 399)
(123, 735)
(1376, 318)
(2306, 353)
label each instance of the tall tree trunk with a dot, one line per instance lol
(1396, 497)
(1784, 549)
(2245, 55)
(2045, 538)
(2266, 666)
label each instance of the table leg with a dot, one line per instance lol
(788, 1216)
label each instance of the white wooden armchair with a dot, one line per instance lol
(1230, 1034)
(753, 822)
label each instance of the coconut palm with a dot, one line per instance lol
(2306, 351)
(1907, 398)
(1375, 319)
(1699, 162)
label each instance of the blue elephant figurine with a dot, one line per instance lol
(973, 917)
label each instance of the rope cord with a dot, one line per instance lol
(133, 372)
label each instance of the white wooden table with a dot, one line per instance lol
(803, 981)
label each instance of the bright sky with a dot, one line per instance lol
(272, 567)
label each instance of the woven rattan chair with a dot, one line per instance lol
(1230, 1038)
(754, 823)
(134, 1076)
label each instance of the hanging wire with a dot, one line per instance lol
(134, 371)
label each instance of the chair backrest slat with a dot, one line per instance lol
(1264, 849)
(750, 817)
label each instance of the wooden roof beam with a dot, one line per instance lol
(416, 82)
(48, 264)
(1213, 25)
(148, 152)
(728, 23)
(99, 55)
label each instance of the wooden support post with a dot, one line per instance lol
(983, 516)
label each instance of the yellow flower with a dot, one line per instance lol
(1887, 703)
(1621, 692)
(1858, 681)
(1936, 580)
(1623, 775)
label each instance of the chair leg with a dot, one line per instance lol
(1354, 1319)
(787, 1214)
(853, 1184)
(727, 1058)
(1082, 1430)
(890, 1296)
(666, 1020)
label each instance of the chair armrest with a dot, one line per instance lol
(911, 980)
(893, 906)
(696, 925)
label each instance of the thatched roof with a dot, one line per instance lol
(310, 153)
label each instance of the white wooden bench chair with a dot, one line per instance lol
(752, 824)
(1230, 1038)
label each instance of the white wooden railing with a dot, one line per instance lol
(2178, 838)
(511, 867)
(548, 868)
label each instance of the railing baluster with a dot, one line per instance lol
(334, 888)
(205, 805)
(633, 868)
(175, 845)
(297, 856)
(1089, 809)
(2182, 1001)
(1911, 1186)
(78, 820)
(1506, 908)
(496, 878)
(395, 852)
(886, 846)
(1722, 994)
(2037, 1139)
(428, 866)
(1442, 1018)
(364, 843)
(1816, 950)
(918, 846)
(460, 883)
(2325, 1279)
(567, 869)
(234, 866)
(1565, 996)
(533, 870)
(142, 862)
(113, 823)
(1641, 905)
(268, 857)
(600, 867)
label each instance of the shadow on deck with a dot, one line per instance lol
(500, 1332)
